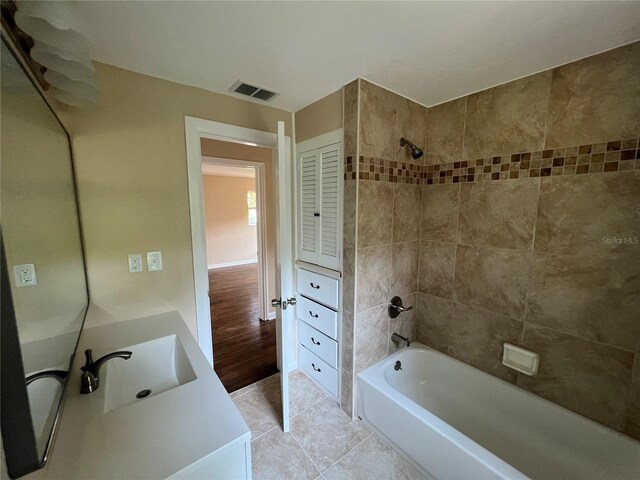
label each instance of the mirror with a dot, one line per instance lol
(43, 259)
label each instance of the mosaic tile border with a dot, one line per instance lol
(383, 170)
(619, 155)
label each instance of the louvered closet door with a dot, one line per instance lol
(330, 246)
(308, 242)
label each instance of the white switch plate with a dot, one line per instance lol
(25, 275)
(135, 263)
(154, 261)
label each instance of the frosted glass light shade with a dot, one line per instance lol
(76, 67)
(74, 100)
(55, 23)
(85, 89)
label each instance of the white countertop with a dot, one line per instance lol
(153, 438)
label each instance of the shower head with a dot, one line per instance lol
(416, 152)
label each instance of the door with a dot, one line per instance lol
(284, 276)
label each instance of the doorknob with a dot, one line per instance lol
(275, 302)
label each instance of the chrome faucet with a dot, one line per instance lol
(399, 340)
(89, 381)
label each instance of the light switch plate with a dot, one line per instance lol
(25, 275)
(135, 263)
(154, 261)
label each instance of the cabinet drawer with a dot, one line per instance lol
(316, 342)
(318, 287)
(319, 370)
(319, 317)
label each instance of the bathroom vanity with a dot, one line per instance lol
(187, 426)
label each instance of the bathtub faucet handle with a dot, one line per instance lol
(395, 307)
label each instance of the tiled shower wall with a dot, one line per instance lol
(527, 231)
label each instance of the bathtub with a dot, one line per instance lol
(453, 421)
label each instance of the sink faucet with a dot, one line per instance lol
(89, 381)
(399, 340)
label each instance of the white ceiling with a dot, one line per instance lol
(428, 51)
(225, 171)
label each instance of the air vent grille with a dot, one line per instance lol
(252, 91)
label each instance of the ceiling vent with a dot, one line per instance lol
(252, 91)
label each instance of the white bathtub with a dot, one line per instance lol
(454, 421)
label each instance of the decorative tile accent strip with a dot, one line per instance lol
(614, 156)
(383, 170)
(596, 158)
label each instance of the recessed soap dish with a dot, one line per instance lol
(520, 359)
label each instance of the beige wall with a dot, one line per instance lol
(236, 151)
(320, 117)
(130, 156)
(230, 238)
(39, 218)
(523, 187)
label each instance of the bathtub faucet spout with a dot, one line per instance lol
(399, 340)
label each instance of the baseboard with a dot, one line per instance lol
(271, 316)
(232, 264)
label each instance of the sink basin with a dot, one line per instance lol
(155, 367)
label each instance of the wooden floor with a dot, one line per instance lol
(244, 348)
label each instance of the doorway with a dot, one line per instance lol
(238, 201)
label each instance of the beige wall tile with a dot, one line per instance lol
(572, 222)
(437, 263)
(492, 279)
(404, 269)
(592, 297)
(596, 99)
(412, 125)
(346, 346)
(372, 337)
(351, 118)
(508, 118)
(632, 420)
(498, 214)
(440, 212)
(406, 212)
(378, 113)
(375, 213)
(445, 131)
(349, 278)
(472, 336)
(405, 323)
(349, 213)
(374, 277)
(587, 377)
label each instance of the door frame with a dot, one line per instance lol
(195, 129)
(261, 233)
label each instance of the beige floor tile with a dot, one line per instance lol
(277, 455)
(243, 390)
(257, 412)
(303, 393)
(372, 459)
(326, 433)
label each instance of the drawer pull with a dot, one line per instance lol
(315, 343)
(314, 315)
(313, 285)
(314, 367)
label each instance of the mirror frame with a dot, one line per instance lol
(18, 437)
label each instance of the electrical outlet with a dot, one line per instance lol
(25, 275)
(154, 261)
(135, 263)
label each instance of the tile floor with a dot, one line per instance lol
(323, 442)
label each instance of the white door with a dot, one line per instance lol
(284, 277)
